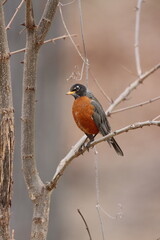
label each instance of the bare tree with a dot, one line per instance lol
(39, 192)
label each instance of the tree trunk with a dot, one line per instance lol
(6, 132)
(41, 216)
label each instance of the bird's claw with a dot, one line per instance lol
(83, 146)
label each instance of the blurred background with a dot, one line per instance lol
(132, 182)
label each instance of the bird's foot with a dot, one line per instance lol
(87, 145)
(84, 145)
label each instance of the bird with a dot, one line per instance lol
(89, 115)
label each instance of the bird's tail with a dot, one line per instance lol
(116, 147)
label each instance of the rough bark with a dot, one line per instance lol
(37, 190)
(6, 132)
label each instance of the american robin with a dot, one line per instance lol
(90, 116)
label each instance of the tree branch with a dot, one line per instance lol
(29, 15)
(47, 41)
(74, 152)
(131, 87)
(126, 129)
(137, 25)
(86, 225)
(136, 105)
(100, 88)
(46, 20)
(17, 9)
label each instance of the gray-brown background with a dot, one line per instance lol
(133, 181)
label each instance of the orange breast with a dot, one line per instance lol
(82, 112)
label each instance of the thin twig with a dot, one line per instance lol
(76, 74)
(106, 213)
(137, 26)
(98, 193)
(47, 41)
(58, 38)
(83, 41)
(14, 15)
(128, 70)
(156, 118)
(87, 228)
(69, 3)
(100, 88)
(136, 105)
(65, 26)
(131, 87)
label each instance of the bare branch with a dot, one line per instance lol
(14, 15)
(126, 129)
(98, 192)
(4, 2)
(64, 24)
(29, 15)
(83, 42)
(87, 228)
(136, 105)
(46, 20)
(137, 25)
(100, 88)
(33, 181)
(131, 87)
(47, 41)
(156, 118)
(74, 152)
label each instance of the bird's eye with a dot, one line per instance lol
(77, 88)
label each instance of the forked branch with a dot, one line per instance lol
(46, 20)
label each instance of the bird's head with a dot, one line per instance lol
(77, 90)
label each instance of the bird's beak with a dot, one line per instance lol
(70, 93)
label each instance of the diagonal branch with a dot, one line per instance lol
(47, 41)
(126, 129)
(74, 152)
(14, 15)
(136, 105)
(46, 20)
(131, 87)
(86, 225)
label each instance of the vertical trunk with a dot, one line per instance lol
(37, 191)
(6, 132)
(28, 117)
(41, 216)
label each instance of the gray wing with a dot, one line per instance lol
(99, 116)
(102, 123)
